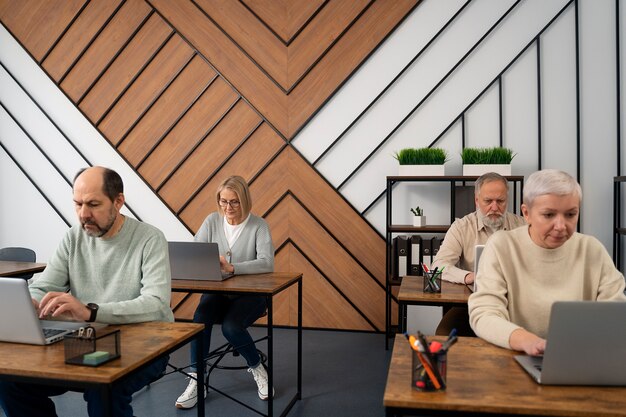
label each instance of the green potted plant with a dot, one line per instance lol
(478, 161)
(419, 220)
(421, 161)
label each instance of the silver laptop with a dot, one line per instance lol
(196, 261)
(586, 345)
(19, 321)
(478, 251)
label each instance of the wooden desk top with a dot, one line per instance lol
(8, 268)
(270, 283)
(483, 378)
(139, 344)
(411, 292)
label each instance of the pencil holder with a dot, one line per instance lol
(424, 376)
(85, 347)
(432, 282)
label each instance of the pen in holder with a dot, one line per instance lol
(432, 281)
(85, 347)
(425, 379)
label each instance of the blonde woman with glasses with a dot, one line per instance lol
(245, 246)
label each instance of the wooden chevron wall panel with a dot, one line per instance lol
(191, 91)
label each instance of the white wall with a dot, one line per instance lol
(26, 218)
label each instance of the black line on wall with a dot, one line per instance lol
(289, 241)
(577, 31)
(138, 74)
(618, 89)
(177, 121)
(392, 82)
(35, 185)
(287, 42)
(500, 112)
(80, 55)
(67, 28)
(427, 96)
(117, 54)
(164, 88)
(538, 60)
(193, 149)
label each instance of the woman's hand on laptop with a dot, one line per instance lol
(527, 342)
(63, 305)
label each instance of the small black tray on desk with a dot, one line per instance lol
(100, 347)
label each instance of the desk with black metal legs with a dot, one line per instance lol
(141, 345)
(412, 293)
(267, 285)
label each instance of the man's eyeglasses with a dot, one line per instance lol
(232, 203)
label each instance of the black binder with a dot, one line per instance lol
(416, 255)
(427, 257)
(402, 249)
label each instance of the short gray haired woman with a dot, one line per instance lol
(522, 272)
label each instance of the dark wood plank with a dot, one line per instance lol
(168, 108)
(125, 68)
(38, 24)
(10, 268)
(203, 116)
(102, 51)
(146, 89)
(239, 123)
(284, 17)
(78, 36)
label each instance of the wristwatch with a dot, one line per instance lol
(93, 308)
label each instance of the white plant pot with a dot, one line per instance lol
(476, 170)
(419, 221)
(421, 170)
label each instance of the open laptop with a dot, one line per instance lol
(19, 322)
(478, 251)
(196, 261)
(586, 345)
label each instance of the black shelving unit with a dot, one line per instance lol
(454, 181)
(618, 230)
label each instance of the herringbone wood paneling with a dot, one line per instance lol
(192, 91)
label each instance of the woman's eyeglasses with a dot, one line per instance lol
(232, 203)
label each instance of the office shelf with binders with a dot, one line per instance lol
(391, 228)
(619, 231)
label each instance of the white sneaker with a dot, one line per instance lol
(260, 376)
(189, 398)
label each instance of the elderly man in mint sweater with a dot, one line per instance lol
(108, 268)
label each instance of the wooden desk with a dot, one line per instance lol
(411, 293)
(484, 379)
(267, 285)
(141, 344)
(10, 268)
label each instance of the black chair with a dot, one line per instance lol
(18, 255)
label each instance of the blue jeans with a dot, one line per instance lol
(236, 313)
(33, 400)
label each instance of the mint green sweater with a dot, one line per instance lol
(128, 276)
(518, 281)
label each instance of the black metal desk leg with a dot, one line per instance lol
(270, 357)
(200, 373)
(106, 396)
(300, 339)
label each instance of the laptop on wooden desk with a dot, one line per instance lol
(586, 345)
(19, 322)
(196, 261)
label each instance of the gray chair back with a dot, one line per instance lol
(19, 255)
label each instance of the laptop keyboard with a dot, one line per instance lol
(51, 332)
